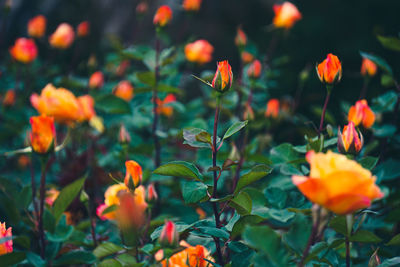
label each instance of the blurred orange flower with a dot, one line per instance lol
(361, 113)
(368, 67)
(83, 29)
(151, 193)
(163, 16)
(223, 77)
(133, 175)
(7, 246)
(241, 38)
(163, 107)
(124, 90)
(330, 70)
(272, 108)
(350, 140)
(190, 256)
(199, 51)
(9, 98)
(37, 26)
(191, 5)
(63, 37)
(24, 50)
(337, 183)
(59, 103)
(254, 70)
(247, 57)
(124, 136)
(51, 196)
(43, 133)
(286, 15)
(86, 106)
(169, 236)
(96, 80)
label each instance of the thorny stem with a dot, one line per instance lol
(157, 156)
(311, 239)
(321, 123)
(214, 193)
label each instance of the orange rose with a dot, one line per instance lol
(247, 57)
(330, 70)
(199, 52)
(86, 106)
(337, 183)
(131, 212)
(163, 16)
(169, 236)
(96, 80)
(286, 15)
(241, 38)
(43, 133)
(191, 256)
(254, 70)
(59, 103)
(191, 5)
(223, 77)
(24, 50)
(350, 140)
(133, 175)
(162, 105)
(124, 90)
(361, 113)
(83, 29)
(272, 108)
(9, 98)
(151, 193)
(37, 26)
(63, 37)
(7, 246)
(368, 67)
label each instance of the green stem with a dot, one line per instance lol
(45, 164)
(321, 123)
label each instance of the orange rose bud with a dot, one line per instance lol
(152, 195)
(286, 15)
(24, 50)
(43, 134)
(337, 183)
(124, 137)
(51, 196)
(9, 98)
(272, 108)
(241, 38)
(24, 161)
(63, 37)
(83, 29)
(59, 103)
(368, 67)
(131, 212)
(124, 90)
(197, 256)
(361, 113)
(350, 140)
(7, 246)
(330, 70)
(191, 5)
(86, 104)
(254, 70)
(142, 8)
(199, 52)
(162, 105)
(223, 77)
(37, 26)
(133, 176)
(169, 236)
(163, 16)
(96, 81)
(247, 57)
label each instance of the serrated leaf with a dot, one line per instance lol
(189, 135)
(179, 169)
(256, 173)
(193, 191)
(237, 126)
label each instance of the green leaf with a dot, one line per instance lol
(256, 173)
(106, 249)
(369, 162)
(75, 257)
(237, 126)
(203, 137)
(242, 203)
(168, 89)
(213, 231)
(395, 241)
(35, 259)
(12, 258)
(386, 130)
(284, 153)
(378, 61)
(385, 102)
(111, 104)
(391, 43)
(191, 135)
(147, 77)
(388, 170)
(338, 224)
(62, 232)
(110, 263)
(66, 196)
(179, 169)
(390, 262)
(110, 209)
(364, 236)
(193, 191)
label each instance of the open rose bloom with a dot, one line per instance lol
(163, 16)
(190, 256)
(24, 50)
(37, 26)
(361, 114)
(286, 15)
(63, 37)
(337, 183)
(199, 52)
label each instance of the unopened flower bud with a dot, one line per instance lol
(169, 235)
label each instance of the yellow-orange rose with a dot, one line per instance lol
(63, 37)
